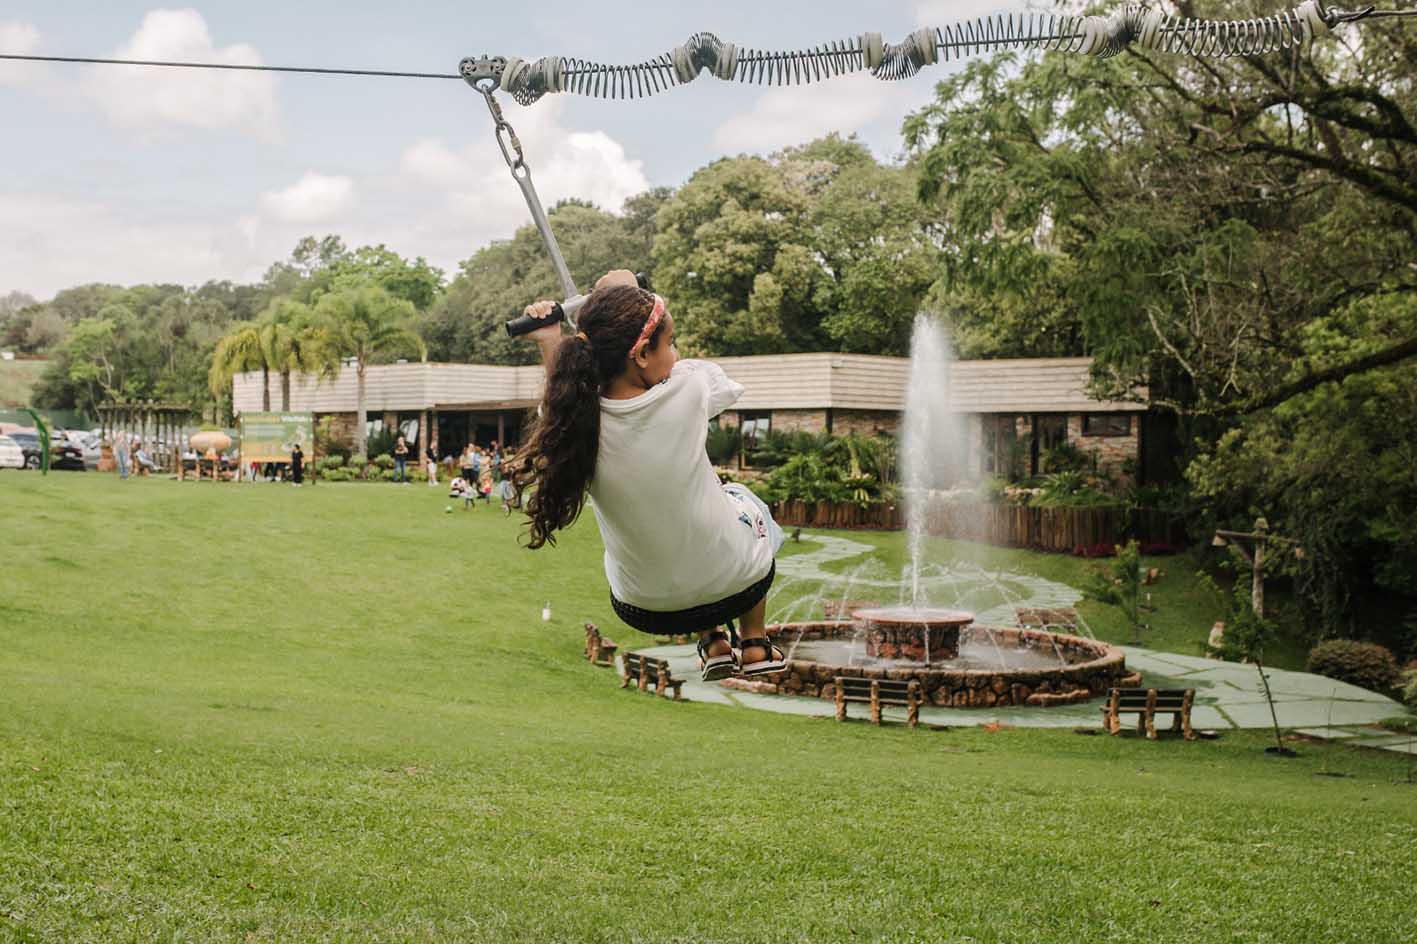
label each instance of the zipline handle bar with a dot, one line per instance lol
(563, 311)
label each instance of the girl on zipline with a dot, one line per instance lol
(623, 419)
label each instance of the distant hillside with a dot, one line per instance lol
(17, 379)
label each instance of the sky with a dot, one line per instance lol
(126, 174)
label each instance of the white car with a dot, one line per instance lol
(11, 455)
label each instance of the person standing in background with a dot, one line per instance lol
(484, 479)
(465, 464)
(495, 459)
(430, 457)
(297, 465)
(401, 461)
(120, 454)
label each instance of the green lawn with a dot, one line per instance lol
(17, 379)
(257, 713)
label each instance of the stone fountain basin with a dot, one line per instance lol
(1092, 668)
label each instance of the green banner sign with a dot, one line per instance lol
(269, 437)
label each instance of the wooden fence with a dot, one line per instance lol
(1048, 529)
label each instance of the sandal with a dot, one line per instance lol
(713, 668)
(775, 662)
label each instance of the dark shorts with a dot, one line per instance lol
(696, 619)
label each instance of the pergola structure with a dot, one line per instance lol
(160, 426)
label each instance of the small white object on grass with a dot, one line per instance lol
(449, 509)
(546, 612)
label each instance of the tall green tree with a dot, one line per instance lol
(1232, 235)
(818, 248)
(241, 349)
(293, 340)
(367, 324)
(499, 280)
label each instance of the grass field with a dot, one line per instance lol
(17, 379)
(257, 713)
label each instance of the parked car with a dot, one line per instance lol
(89, 444)
(62, 453)
(11, 455)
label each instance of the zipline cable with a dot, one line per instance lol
(232, 66)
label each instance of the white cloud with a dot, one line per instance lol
(456, 199)
(851, 104)
(52, 241)
(314, 198)
(21, 39)
(146, 97)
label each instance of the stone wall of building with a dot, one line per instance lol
(1114, 453)
(342, 429)
(799, 421)
(864, 422)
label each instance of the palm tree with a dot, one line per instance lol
(240, 349)
(293, 339)
(366, 323)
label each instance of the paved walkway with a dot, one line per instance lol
(1228, 696)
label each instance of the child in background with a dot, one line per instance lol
(459, 488)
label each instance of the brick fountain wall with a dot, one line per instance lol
(1094, 668)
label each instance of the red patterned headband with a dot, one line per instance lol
(656, 315)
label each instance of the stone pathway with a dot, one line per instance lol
(1228, 697)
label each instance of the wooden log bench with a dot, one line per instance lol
(1146, 704)
(878, 692)
(646, 671)
(598, 649)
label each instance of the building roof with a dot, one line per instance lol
(772, 382)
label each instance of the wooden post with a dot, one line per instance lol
(912, 712)
(840, 702)
(875, 701)
(1150, 717)
(1185, 718)
(625, 664)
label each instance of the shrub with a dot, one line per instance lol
(380, 442)
(384, 461)
(326, 444)
(1072, 490)
(1409, 688)
(338, 474)
(1066, 457)
(723, 443)
(1364, 664)
(327, 464)
(807, 476)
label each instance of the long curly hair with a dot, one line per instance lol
(559, 456)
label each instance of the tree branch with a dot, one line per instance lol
(1389, 355)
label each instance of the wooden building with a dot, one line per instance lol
(1014, 411)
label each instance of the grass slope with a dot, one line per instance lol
(258, 713)
(17, 380)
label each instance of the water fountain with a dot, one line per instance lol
(957, 662)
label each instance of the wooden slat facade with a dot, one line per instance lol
(771, 382)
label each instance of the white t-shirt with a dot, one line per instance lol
(673, 538)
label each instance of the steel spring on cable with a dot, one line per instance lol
(1100, 36)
